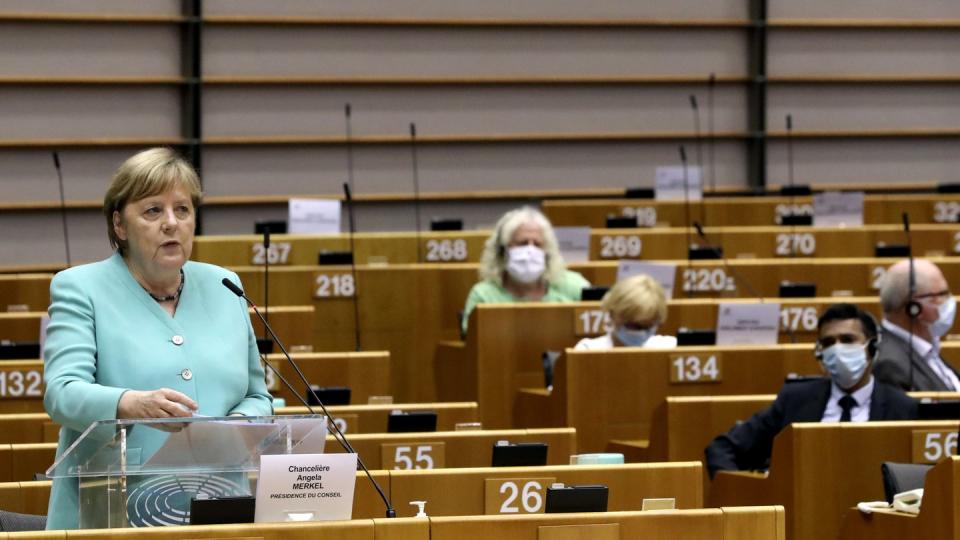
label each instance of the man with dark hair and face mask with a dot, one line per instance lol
(846, 346)
(909, 356)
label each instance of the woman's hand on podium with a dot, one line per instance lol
(160, 403)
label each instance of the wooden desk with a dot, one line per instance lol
(452, 449)
(408, 309)
(38, 428)
(371, 248)
(751, 211)
(25, 292)
(773, 241)
(29, 497)
(294, 325)
(819, 470)
(636, 383)
(464, 492)
(366, 373)
(938, 513)
(755, 523)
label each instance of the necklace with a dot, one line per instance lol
(173, 297)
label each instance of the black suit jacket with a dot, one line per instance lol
(748, 445)
(893, 364)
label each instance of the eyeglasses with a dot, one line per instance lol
(941, 294)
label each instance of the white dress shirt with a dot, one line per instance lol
(606, 342)
(929, 352)
(859, 413)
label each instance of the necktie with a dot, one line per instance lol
(847, 403)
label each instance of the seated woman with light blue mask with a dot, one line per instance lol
(636, 307)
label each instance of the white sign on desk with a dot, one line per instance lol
(748, 324)
(306, 487)
(670, 184)
(665, 274)
(836, 208)
(314, 216)
(574, 243)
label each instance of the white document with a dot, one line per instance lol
(574, 243)
(670, 184)
(306, 487)
(314, 216)
(665, 274)
(835, 208)
(748, 324)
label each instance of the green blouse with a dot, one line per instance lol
(567, 289)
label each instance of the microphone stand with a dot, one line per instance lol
(337, 434)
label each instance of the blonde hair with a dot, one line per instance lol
(639, 298)
(493, 261)
(145, 174)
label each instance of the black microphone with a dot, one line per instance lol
(711, 85)
(63, 206)
(726, 263)
(352, 232)
(686, 204)
(416, 183)
(348, 130)
(913, 307)
(699, 140)
(337, 434)
(266, 274)
(736, 275)
(790, 154)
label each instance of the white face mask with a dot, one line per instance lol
(635, 338)
(846, 363)
(945, 315)
(526, 264)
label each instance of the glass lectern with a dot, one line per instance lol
(137, 473)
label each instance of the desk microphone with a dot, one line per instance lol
(266, 275)
(699, 140)
(352, 231)
(337, 434)
(348, 131)
(63, 206)
(913, 308)
(736, 275)
(711, 85)
(416, 184)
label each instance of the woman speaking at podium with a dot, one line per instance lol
(145, 333)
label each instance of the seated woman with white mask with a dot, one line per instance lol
(521, 262)
(637, 306)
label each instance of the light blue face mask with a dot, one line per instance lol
(846, 363)
(634, 338)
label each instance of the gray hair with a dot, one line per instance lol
(895, 283)
(493, 261)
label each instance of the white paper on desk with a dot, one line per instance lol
(574, 243)
(313, 216)
(835, 208)
(211, 443)
(670, 184)
(665, 274)
(306, 487)
(748, 324)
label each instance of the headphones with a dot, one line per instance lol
(913, 308)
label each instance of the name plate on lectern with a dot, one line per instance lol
(306, 487)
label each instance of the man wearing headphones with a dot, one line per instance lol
(846, 348)
(918, 310)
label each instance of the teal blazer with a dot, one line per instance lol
(107, 335)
